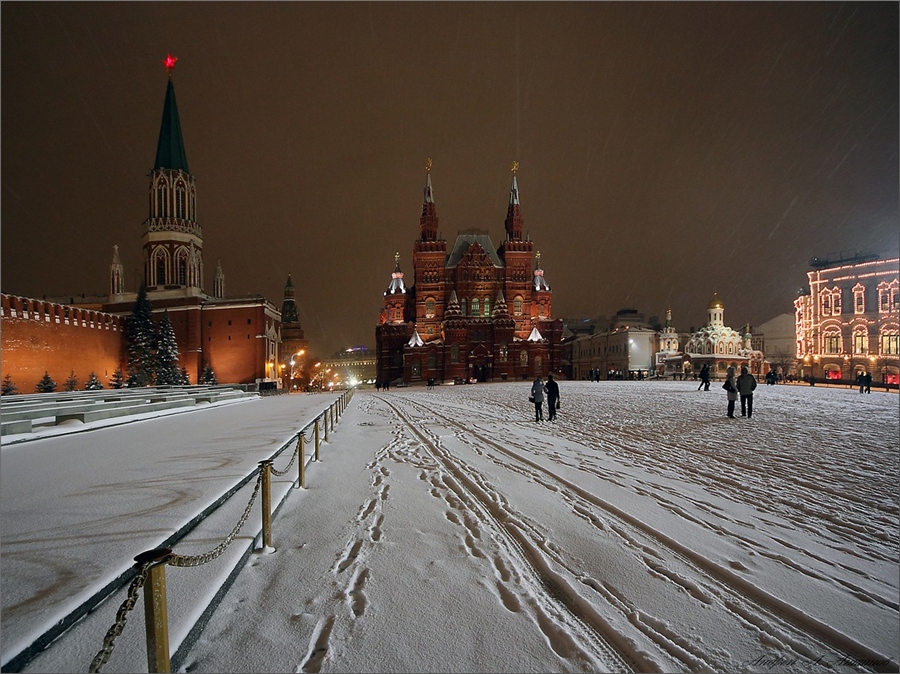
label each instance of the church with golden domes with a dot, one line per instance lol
(720, 346)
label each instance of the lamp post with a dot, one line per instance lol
(296, 371)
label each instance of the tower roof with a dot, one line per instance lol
(428, 221)
(170, 152)
(513, 221)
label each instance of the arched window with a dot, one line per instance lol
(161, 201)
(860, 341)
(832, 341)
(160, 270)
(476, 307)
(182, 271)
(462, 306)
(432, 360)
(889, 343)
(179, 201)
(429, 308)
(523, 359)
(859, 299)
(517, 305)
(454, 353)
(487, 306)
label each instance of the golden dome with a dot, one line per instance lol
(715, 303)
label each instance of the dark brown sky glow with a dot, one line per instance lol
(666, 150)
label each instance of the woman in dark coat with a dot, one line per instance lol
(537, 395)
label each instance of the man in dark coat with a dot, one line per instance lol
(552, 389)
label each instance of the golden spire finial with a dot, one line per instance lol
(514, 167)
(428, 165)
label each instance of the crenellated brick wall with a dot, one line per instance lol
(40, 336)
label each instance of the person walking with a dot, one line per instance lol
(868, 381)
(704, 377)
(537, 397)
(861, 381)
(731, 390)
(552, 389)
(746, 384)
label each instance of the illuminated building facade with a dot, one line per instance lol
(846, 319)
(473, 311)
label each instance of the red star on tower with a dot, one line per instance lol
(169, 62)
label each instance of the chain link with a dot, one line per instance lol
(280, 473)
(121, 616)
(197, 560)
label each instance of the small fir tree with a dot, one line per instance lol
(9, 388)
(141, 342)
(118, 379)
(208, 376)
(72, 382)
(167, 371)
(185, 377)
(46, 384)
(93, 384)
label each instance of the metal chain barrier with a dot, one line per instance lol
(143, 567)
(282, 473)
(121, 616)
(197, 560)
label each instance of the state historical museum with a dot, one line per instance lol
(473, 311)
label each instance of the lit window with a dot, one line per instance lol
(859, 299)
(860, 342)
(517, 306)
(889, 344)
(487, 306)
(429, 308)
(832, 344)
(476, 307)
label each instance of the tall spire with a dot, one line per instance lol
(289, 306)
(540, 282)
(116, 275)
(397, 285)
(513, 216)
(428, 222)
(170, 152)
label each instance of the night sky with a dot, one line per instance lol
(666, 151)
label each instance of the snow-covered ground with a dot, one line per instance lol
(446, 531)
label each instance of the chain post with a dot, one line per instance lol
(266, 467)
(302, 461)
(317, 439)
(325, 423)
(155, 611)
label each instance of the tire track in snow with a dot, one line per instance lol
(557, 607)
(784, 623)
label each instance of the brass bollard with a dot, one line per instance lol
(302, 458)
(266, 468)
(325, 423)
(317, 439)
(156, 615)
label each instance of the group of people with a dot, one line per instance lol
(864, 381)
(538, 389)
(743, 386)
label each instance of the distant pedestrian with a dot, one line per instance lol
(377, 385)
(387, 384)
(746, 384)
(537, 397)
(731, 390)
(552, 389)
(704, 377)
(868, 382)
(861, 381)
(771, 378)
(431, 382)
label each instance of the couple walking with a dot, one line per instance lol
(538, 389)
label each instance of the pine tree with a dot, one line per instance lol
(46, 384)
(167, 371)
(72, 382)
(141, 342)
(208, 376)
(8, 387)
(118, 379)
(93, 384)
(185, 377)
